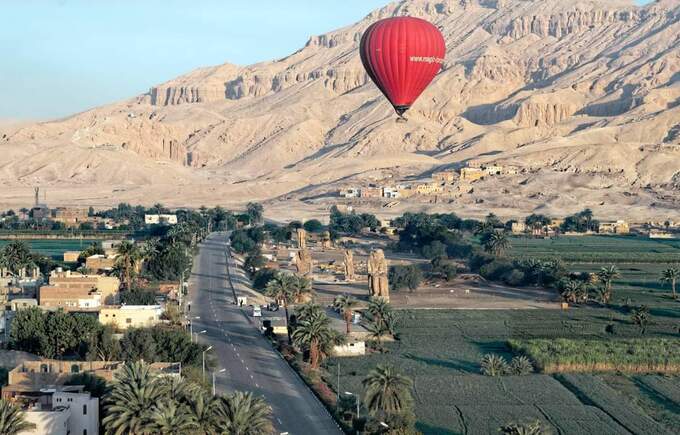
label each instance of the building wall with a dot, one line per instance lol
(71, 256)
(130, 316)
(98, 262)
(84, 411)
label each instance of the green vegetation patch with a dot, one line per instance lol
(650, 355)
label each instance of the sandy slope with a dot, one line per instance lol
(585, 95)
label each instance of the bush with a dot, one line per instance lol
(514, 277)
(495, 270)
(434, 250)
(262, 277)
(521, 365)
(405, 277)
(138, 297)
(494, 365)
(313, 226)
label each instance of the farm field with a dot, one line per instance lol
(54, 248)
(441, 351)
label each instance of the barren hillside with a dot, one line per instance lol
(583, 94)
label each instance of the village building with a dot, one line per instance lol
(493, 169)
(70, 299)
(130, 316)
(371, 192)
(107, 286)
(351, 192)
(71, 217)
(99, 263)
(71, 256)
(391, 192)
(160, 219)
(429, 189)
(518, 227)
(471, 174)
(444, 177)
(618, 227)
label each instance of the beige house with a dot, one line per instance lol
(77, 298)
(444, 176)
(131, 316)
(108, 286)
(100, 263)
(471, 174)
(429, 189)
(371, 192)
(71, 256)
(618, 227)
(518, 227)
(70, 216)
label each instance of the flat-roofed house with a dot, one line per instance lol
(130, 316)
(100, 262)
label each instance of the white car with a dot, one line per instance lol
(257, 311)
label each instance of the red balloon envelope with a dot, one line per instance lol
(402, 55)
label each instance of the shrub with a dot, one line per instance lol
(495, 270)
(521, 365)
(405, 277)
(313, 226)
(514, 277)
(494, 365)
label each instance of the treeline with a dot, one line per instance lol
(63, 335)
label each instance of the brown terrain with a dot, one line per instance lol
(583, 95)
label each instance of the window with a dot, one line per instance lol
(84, 409)
(75, 368)
(43, 368)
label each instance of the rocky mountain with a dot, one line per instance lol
(584, 95)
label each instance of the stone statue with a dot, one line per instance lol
(349, 265)
(326, 240)
(378, 285)
(302, 238)
(303, 262)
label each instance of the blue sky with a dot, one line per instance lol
(65, 56)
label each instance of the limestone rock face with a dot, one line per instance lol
(536, 84)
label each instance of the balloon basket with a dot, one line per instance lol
(402, 120)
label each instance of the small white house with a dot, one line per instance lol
(351, 348)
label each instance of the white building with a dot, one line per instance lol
(70, 413)
(391, 192)
(351, 192)
(165, 219)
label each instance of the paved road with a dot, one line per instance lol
(250, 362)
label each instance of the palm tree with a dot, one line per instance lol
(128, 256)
(302, 286)
(308, 310)
(574, 291)
(671, 275)
(494, 365)
(315, 335)
(244, 414)
(171, 418)
(16, 256)
(12, 419)
(205, 410)
(640, 317)
(281, 288)
(255, 212)
(522, 429)
(606, 275)
(382, 317)
(497, 243)
(346, 303)
(134, 392)
(387, 392)
(377, 329)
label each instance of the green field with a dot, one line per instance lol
(441, 350)
(599, 249)
(54, 248)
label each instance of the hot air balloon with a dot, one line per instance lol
(402, 55)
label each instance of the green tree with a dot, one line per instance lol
(301, 289)
(521, 365)
(281, 288)
(128, 254)
(409, 276)
(16, 256)
(93, 249)
(497, 243)
(641, 317)
(345, 304)
(607, 275)
(169, 417)
(254, 261)
(313, 226)
(315, 335)
(244, 414)
(255, 212)
(135, 390)
(12, 419)
(387, 391)
(671, 276)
